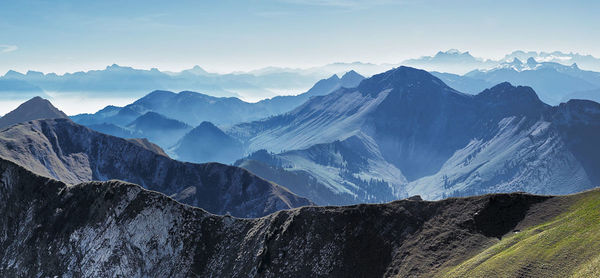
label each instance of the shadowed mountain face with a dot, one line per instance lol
(33, 109)
(422, 137)
(144, 233)
(72, 153)
(208, 143)
(158, 128)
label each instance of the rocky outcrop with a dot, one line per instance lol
(115, 228)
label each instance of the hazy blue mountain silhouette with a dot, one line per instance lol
(553, 82)
(208, 143)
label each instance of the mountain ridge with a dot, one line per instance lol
(403, 238)
(72, 153)
(33, 109)
(443, 142)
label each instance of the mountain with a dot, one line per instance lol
(553, 82)
(120, 81)
(208, 143)
(72, 153)
(452, 61)
(119, 116)
(16, 89)
(159, 129)
(411, 132)
(99, 229)
(587, 62)
(194, 108)
(339, 173)
(178, 110)
(115, 130)
(33, 109)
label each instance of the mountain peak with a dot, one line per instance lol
(33, 109)
(400, 78)
(517, 99)
(516, 61)
(207, 124)
(333, 77)
(152, 121)
(531, 61)
(351, 79)
(113, 66)
(13, 74)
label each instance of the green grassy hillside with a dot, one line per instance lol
(566, 246)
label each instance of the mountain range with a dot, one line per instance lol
(453, 61)
(554, 82)
(115, 228)
(61, 149)
(165, 117)
(76, 201)
(119, 81)
(405, 132)
(116, 81)
(400, 133)
(458, 62)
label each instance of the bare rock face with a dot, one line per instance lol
(72, 153)
(100, 229)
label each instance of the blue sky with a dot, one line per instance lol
(224, 35)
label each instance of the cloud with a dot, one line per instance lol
(351, 4)
(5, 48)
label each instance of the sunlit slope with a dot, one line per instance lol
(566, 246)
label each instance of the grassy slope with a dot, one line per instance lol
(567, 246)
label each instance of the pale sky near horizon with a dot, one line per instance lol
(71, 35)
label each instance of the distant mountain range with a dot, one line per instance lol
(64, 150)
(457, 62)
(119, 81)
(100, 229)
(453, 61)
(554, 82)
(405, 132)
(165, 117)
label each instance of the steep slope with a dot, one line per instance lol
(33, 109)
(208, 143)
(72, 153)
(565, 246)
(441, 141)
(115, 228)
(283, 104)
(159, 129)
(338, 173)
